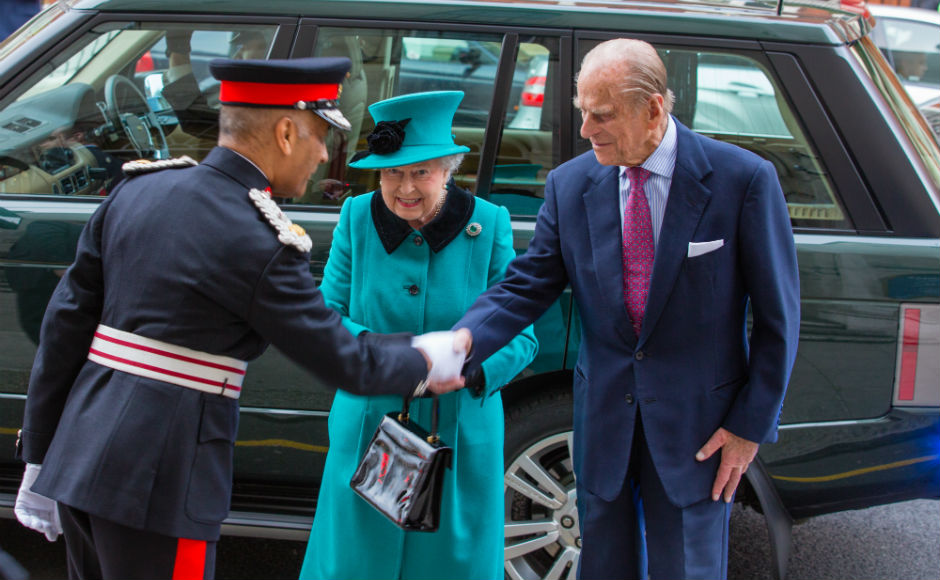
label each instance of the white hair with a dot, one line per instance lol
(637, 66)
(450, 163)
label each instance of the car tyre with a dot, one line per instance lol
(541, 519)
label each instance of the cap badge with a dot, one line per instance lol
(288, 233)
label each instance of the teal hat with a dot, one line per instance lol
(411, 129)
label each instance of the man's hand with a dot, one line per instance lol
(36, 511)
(736, 455)
(445, 352)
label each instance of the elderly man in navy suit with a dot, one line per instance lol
(665, 237)
(182, 275)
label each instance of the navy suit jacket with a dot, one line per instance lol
(185, 257)
(692, 369)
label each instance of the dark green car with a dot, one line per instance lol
(88, 85)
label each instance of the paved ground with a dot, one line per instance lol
(893, 542)
(900, 541)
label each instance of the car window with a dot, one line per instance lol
(732, 97)
(123, 91)
(529, 146)
(392, 62)
(913, 124)
(735, 97)
(912, 48)
(737, 101)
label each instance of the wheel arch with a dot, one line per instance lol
(523, 388)
(778, 519)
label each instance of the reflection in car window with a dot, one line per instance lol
(913, 124)
(911, 47)
(123, 91)
(66, 71)
(392, 62)
(736, 101)
(529, 147)
(735, 97)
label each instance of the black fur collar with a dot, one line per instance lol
(392, 230)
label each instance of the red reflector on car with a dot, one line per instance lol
(911, 342)
(532, 100)
(917, 366)
(533, 94)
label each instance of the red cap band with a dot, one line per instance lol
(280, 95)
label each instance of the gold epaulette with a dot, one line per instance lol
(288, 233)
(139, 166)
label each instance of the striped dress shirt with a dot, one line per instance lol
(660, 165)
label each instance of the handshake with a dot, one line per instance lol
(445, 353)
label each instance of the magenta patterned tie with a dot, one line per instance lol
(637, 247)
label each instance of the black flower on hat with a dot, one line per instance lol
(387, 137)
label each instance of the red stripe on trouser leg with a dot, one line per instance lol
(190, 560)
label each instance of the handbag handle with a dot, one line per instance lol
(404, 416)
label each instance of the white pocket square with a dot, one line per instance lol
(699, 248)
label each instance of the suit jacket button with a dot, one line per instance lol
(419, 240)
(413, 290)
(639, 355)
(628, 399)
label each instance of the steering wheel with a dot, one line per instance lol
(120, 92)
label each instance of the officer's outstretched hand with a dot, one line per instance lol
(35, 511)
(446, 354)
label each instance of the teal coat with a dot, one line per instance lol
(384, 276)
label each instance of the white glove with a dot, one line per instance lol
(446, 364)
(36, 511)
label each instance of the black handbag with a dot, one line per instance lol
(402, 471)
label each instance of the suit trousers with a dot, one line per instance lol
(680, 543)
(99, 548)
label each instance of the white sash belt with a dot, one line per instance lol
(146, 357)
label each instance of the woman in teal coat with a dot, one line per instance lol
(412, 257)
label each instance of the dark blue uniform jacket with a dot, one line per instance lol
(182, 256)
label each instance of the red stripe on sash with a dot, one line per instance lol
(164, 371)
(168, 354)
(190, 560)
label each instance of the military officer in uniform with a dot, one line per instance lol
(182, 275)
